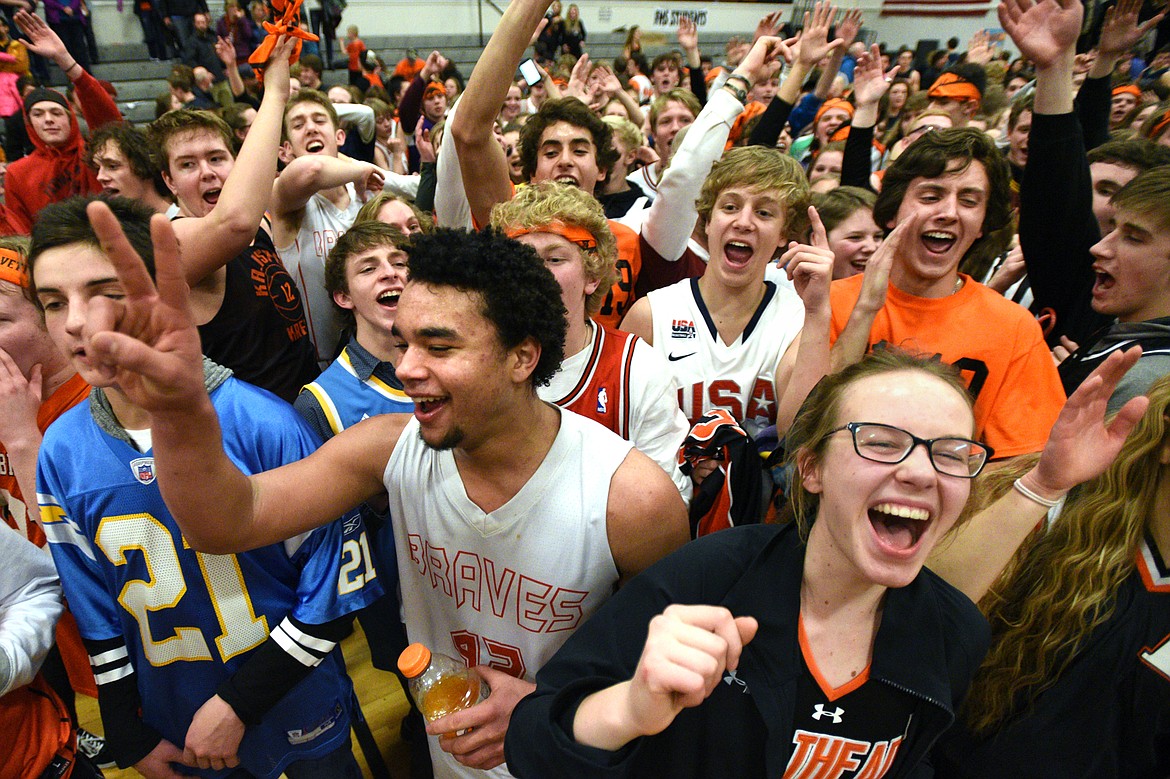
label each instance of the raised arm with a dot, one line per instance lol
(307, 175)
(806, 361)
(869, 84)
(210, 242)
(484, 166)
(148, 346)
(1080, 447)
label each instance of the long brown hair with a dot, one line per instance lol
(1061, 585)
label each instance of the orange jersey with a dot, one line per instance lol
(996, 344)
(629, 263)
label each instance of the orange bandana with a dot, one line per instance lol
(13, 268)
(1128, 89)
(832, 103)
(433, 88)
(954, 87)
(571, 233)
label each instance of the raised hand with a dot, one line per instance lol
(810, 266)
(41, 38)
(688, 34)
(1121, 31)
(875, 280)
(146, 342)
(760, 62)
(486, 723)
(869, 81)
(276, 70)
(578, 77)
(849, 27)
(1043, 31)
(814, 42)
(422, 142)
(226, 52)
(1081, 445)
(769, 25)
(979, 48)
(434, 65)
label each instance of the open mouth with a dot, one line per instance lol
(211, 196)
(938, 242)
(312, 147)
(571, 180)
(425, 408)
(1103, 282)
(737, 252)
(389, 299)
(899, 527)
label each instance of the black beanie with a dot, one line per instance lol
(42, 95)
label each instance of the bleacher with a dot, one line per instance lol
(139, 80)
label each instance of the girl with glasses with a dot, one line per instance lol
(823, 648)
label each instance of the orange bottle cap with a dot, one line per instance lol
(414, 660)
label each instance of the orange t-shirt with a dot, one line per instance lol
(354, 49)
(15, 512)
(407, 69)
(995, 343)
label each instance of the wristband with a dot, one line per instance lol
(740, 94)
(747, 84)
(75, 64)
(1019, 487)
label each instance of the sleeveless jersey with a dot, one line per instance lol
(345, 399)
(259, 331)
(322, 224)
(503, 589)
(709, 374)
(602, 390)
(184, 621)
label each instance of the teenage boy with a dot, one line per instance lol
(1066, 204)
(314, 200)
(123, 159)
(56, 169)
(192, 652)
(564, 141)
(943, 198)
(610, 376)
(489, 486)
(246, 305)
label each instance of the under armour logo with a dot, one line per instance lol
(729, 678)
(819, 712)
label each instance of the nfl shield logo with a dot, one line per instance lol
(143, 469)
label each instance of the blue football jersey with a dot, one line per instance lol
(188, 619)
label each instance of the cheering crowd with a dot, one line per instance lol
(800, 410)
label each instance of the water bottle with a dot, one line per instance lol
(440, 685)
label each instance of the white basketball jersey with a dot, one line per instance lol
(503, 589)
(738, 377)
(321, 226)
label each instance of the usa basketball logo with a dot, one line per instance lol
(143, 469)
(682, 328)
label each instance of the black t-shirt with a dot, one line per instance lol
(852, 731)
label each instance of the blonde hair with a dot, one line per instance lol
(759, 168)
(629, 133)
(549, 201)
(1061, 585)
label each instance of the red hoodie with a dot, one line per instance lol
(51, 174)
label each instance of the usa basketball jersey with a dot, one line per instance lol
(503, 589)
(184, 621)
(709, 374)
(322, 224)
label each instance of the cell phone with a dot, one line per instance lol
(529, 72)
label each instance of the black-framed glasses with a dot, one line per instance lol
(949, 455)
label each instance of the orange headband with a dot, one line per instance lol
(954, 87)
(1128, 89)
(433, 87)
(832, 103)
(571, 233)
(13, 268)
